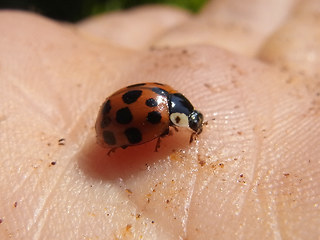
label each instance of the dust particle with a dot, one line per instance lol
(128, 227)
(202, 163)
(128, 191)
(62, 141)
(184, 51)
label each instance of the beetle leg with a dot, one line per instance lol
(175, 128)
(193, 136)
(112, 150)
(165, 133)
(157, 144)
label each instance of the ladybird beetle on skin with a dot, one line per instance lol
(142, 112)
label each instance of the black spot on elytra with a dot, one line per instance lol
(133, 135)
(136, 85)
(109, 138)
(105, 121)
(151, 102)
(106, 108)
(131, 96)
(124, 116)
(154, 117)
(160, 91)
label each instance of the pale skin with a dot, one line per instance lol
(252, 69)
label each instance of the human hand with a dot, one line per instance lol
(252, 173)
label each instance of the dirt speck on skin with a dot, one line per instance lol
(216, 89)
(128, 227)
(15, 204)
(128, 191)
(125, 232)
(148, 197)
(286, 174)
(184, 51)
(61, 141)
(175, 156)
(2, 118)
(242, 179)
(202, 163)
(237, 69)
(169, 59)
(314, 109)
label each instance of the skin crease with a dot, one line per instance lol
(253, 173)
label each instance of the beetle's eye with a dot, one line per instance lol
(196, 121)
(179, 119)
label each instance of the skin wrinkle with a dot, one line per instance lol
(185, 218)
(42, 211)
(260, 142)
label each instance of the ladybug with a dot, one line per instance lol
(142, 112)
